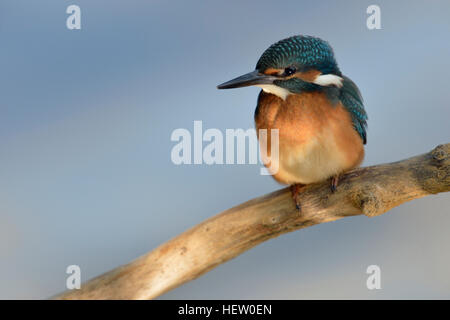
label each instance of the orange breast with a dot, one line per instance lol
(316, 139)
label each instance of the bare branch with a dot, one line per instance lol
(370, 191)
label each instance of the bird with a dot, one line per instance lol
(318, 111)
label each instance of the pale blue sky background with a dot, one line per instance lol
(85, 124)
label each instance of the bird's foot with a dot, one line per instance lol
(295, 190)
(334, 183)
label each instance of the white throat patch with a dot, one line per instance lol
(276, 90)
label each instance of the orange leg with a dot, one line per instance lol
(295, 190)
(334, 183)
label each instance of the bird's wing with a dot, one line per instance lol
(352, 100)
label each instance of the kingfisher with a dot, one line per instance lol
(319, 112)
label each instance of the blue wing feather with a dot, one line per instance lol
(352, 100)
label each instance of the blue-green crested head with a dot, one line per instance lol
(293, 65)
(302, 52)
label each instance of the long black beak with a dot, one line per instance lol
(248, 79)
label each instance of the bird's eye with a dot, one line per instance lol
(289, 71)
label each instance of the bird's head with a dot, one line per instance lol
(292, 65)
